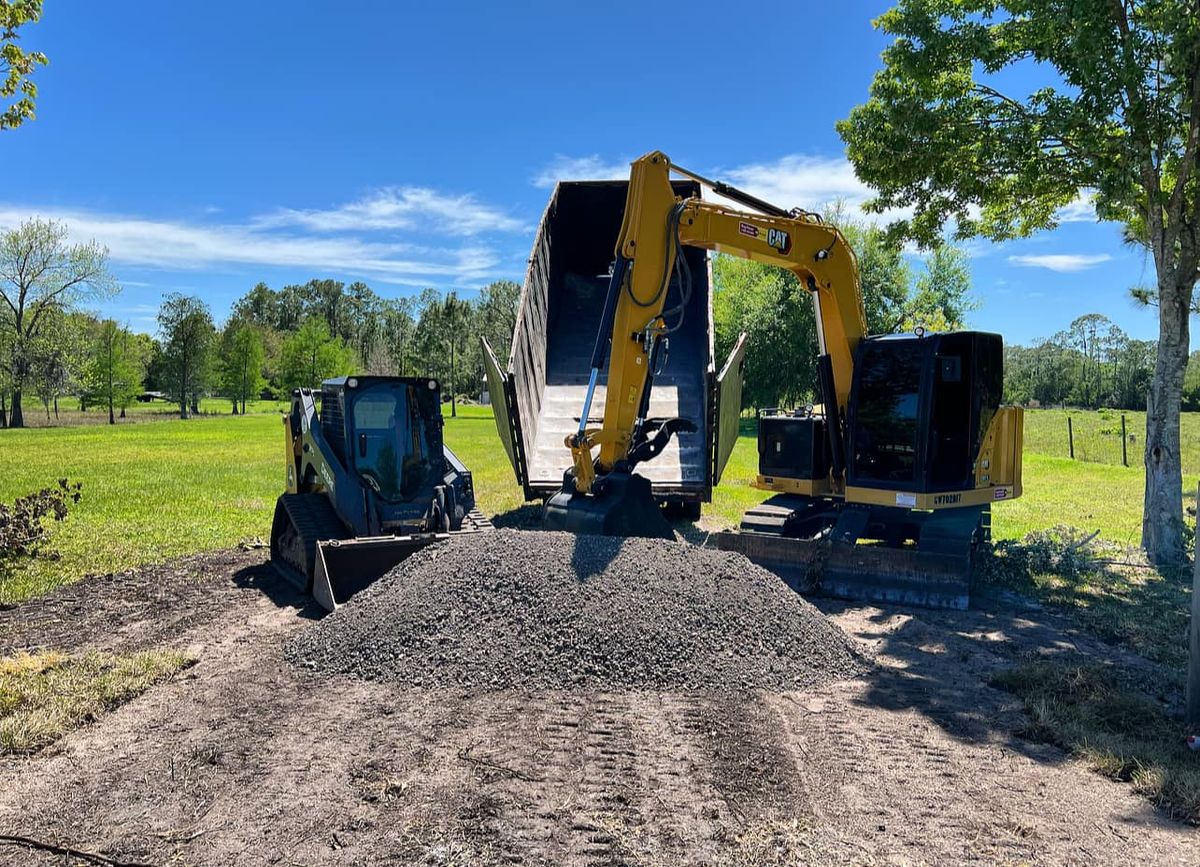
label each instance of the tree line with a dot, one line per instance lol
(272, 342)
(275, 340)
(1091, 364)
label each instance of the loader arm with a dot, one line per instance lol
(655, 226)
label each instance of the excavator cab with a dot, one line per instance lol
(369, 481)
(928, 449)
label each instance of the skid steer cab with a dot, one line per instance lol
(368, 482)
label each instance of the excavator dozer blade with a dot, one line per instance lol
(900, 576)
(867, 573)
(346, 566)
(624, 507)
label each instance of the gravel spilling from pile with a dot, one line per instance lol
(558, 611)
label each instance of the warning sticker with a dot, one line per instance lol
(907, 500)
(1000, 494)
(748, 229)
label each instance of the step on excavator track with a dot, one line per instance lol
(313, 549)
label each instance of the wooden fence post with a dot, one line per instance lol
(1124, 443)
(1193, 681)
(1070, 438)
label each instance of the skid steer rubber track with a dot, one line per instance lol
(301, 521)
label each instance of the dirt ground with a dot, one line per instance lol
(243, 760)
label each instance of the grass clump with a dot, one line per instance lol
(44, 695)
(1108, 588)
(1086, 710)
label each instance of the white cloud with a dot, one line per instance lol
(1062, 262)
(180, 245)
(808, 182)
(813, 183)
(400, 208)
(1079, 211)
(589, 168)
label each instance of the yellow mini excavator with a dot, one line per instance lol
(883, 487)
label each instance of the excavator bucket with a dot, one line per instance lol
(625, 507)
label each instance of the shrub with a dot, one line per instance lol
(24, 525)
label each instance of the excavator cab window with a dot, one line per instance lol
(887, 413)
(391, 452)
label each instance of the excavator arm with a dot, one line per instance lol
(657, 224)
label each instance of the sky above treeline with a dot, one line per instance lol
(212, 145)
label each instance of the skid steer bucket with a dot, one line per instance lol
(345, 566)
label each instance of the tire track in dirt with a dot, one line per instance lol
(603, 779)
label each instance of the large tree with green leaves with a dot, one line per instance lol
(188, 335)
(242, 358)
(1115, 115)
(312, 354)
(17, 90)
(114, 374)
(42, 276)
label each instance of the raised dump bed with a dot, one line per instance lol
(538, 395)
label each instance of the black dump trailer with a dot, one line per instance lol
(537, 394)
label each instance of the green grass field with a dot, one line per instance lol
(1097, 436)
(155, 491)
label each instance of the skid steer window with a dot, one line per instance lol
(390, 450)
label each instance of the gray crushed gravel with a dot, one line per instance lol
(557, 611)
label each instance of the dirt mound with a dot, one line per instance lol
(554, 610)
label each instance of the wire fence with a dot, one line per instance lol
(1101, 436)
(1106, 436)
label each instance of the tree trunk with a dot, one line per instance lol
(3, 412)
(1162, 509)
(122, 412)
(112, 419)
(17, 417)
(56, 407)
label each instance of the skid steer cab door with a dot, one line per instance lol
(728, 407)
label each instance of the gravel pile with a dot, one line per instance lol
(558, 611)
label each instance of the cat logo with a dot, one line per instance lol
(779, 239)
(947, 499)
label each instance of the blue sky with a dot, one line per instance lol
(212, 144)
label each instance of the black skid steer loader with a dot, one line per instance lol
(368, 482)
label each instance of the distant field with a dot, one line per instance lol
(1098, 435)
(69, 413)
(155, 491)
